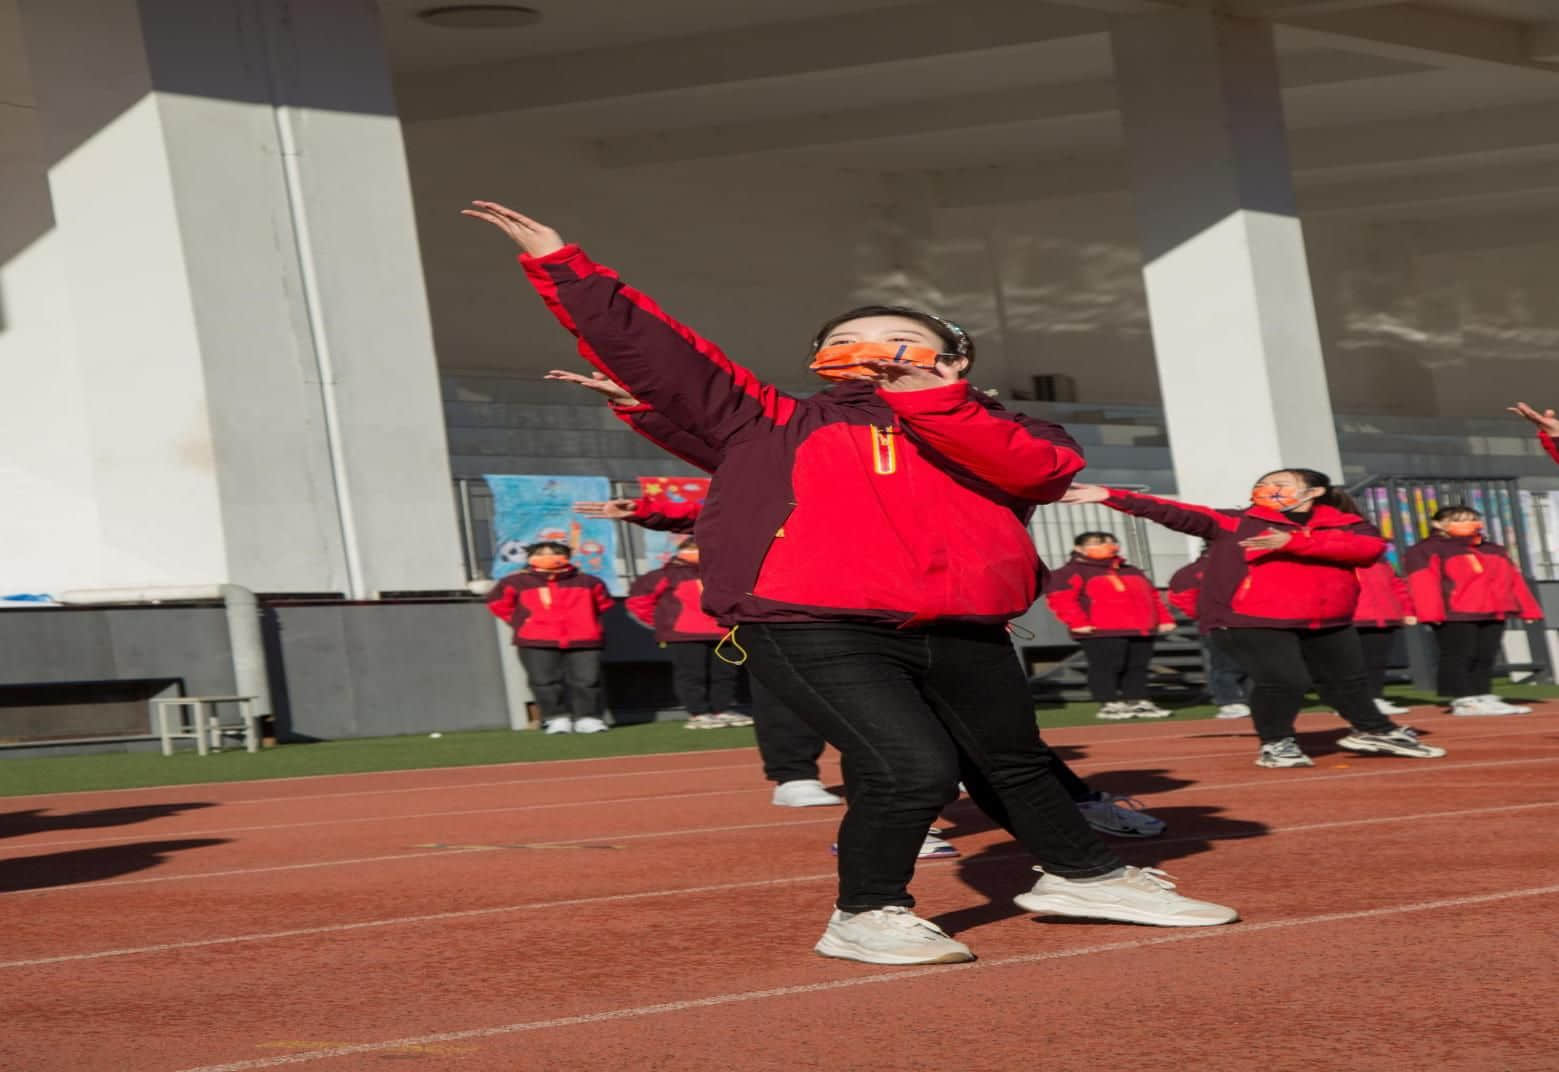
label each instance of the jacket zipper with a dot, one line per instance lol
(885, 460)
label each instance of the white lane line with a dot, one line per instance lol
(879, 978)
(574, 902)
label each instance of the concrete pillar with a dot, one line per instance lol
(1234, 326)
(250, 326)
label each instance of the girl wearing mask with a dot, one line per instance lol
(1280, 590)
(1466, 588)
(900, 659)
(1113, 612)
(555, 611)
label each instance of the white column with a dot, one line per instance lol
(1234, 326)
(250, 327)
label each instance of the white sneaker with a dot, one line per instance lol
(889, 936)
(1136, 895)
(1149, 709)
(1115, 712)
(1234, 710)
(1399, 742)
(1284, 753)
(1504, 707)
(1477, 706)
(727, 719)
(559, 725)
(803, 793)
(934, 847)
(1386, 707)
(589, 724)
(703, 722)
(1120, 816)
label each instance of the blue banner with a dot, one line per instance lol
(531, 508)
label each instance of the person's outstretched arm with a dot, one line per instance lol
(1189, 518)
(1547, 424)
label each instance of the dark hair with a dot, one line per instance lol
(955, 338)
(1332, 496)
(1089, 537)
(555, 545)
(1456, 510)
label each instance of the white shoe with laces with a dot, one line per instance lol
(1475, 706)
(730, 719)
(803, 793)
(891, 935)
(703, 722)
(1120, 817)
(1386, 707)
(589, 724)
(1504, 707)
(1283, 753)
(1134, 895)
(559, 725)
(1116, 712)
(1401, 741)
(1234, 710)
(1149, 709)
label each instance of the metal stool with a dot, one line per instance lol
(206, 725)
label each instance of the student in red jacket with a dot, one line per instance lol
(1114, 612)
(1227, 685)
(1280, 589)
(556, 614)
(1466, 588)
(897, 654)
(1384, 608)
(667, 601)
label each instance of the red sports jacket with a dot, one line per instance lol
(1548, 444)
(1384, 601)
(1307, 584)
(1185, 587)
(931, 490)
(667, 600)
(552, 610)
(1114, 598)
(1461, 579)
(666, 516)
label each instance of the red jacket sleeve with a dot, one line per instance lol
(1023, 457)
(503, 600)
(659, 361)
(1530, 608)
(1358, 546)
(1404, 596)
(1061, 596)
(666, 516)
(1189, 518)
(668, 437)
(645, 594)
(603, 598)
(1425, 583)
(1548, 444)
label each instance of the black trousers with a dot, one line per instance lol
(1117, 666)
(1226, 680)
(705, 684)
(1467, 654)
(564, 681)
(908, 710)
(788, 746)
(1282, 663)
(1378, 645)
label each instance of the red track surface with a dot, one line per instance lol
(657, 913)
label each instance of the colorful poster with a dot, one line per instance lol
(657, 547)
(531, 508)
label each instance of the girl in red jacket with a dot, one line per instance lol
(1114, 612)
(1281, 588)
(667, 601)
(556, 614)
(1384, 608)
(1466, 588)
(897, 655)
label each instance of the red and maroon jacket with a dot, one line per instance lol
(668, 601)
(1548, 444)
(1307, 584)
(665, 516)
(930, 490)
(1185, 587)
(1466, 579)
(552, 610)
(1112, 597)
(1384, 602)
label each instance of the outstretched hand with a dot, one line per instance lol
(1270, 540)
(1547, 420)
(597, 382)
(897, 376)
(534, 238)
(613, 509)
(1085, 493)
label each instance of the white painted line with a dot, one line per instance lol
(686, 891)
(1303, 776)
(879, 978)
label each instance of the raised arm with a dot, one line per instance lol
(1024, 457)
(1547, 424)
(1189, 518)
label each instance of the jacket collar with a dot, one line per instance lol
(559, 575)
(1322, 517)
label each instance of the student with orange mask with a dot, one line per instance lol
(1113, 612)
(1466, 588)
(901, 660)
(1280, 591)
(555, 611)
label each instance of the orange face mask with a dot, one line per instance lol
(1101, 550)
(548, 563)
(1463, 529)
(689, 556)
(846, 360)
(1274, 497)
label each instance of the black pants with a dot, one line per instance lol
(1226, 680)
(556, 671)
(1467, 653)
(1282, 663)
(1378, 645)
(1117, 666)
(705, 684)
(788, 746)
(908, 709)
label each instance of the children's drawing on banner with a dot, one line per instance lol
(531, 508)
(657, 548)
